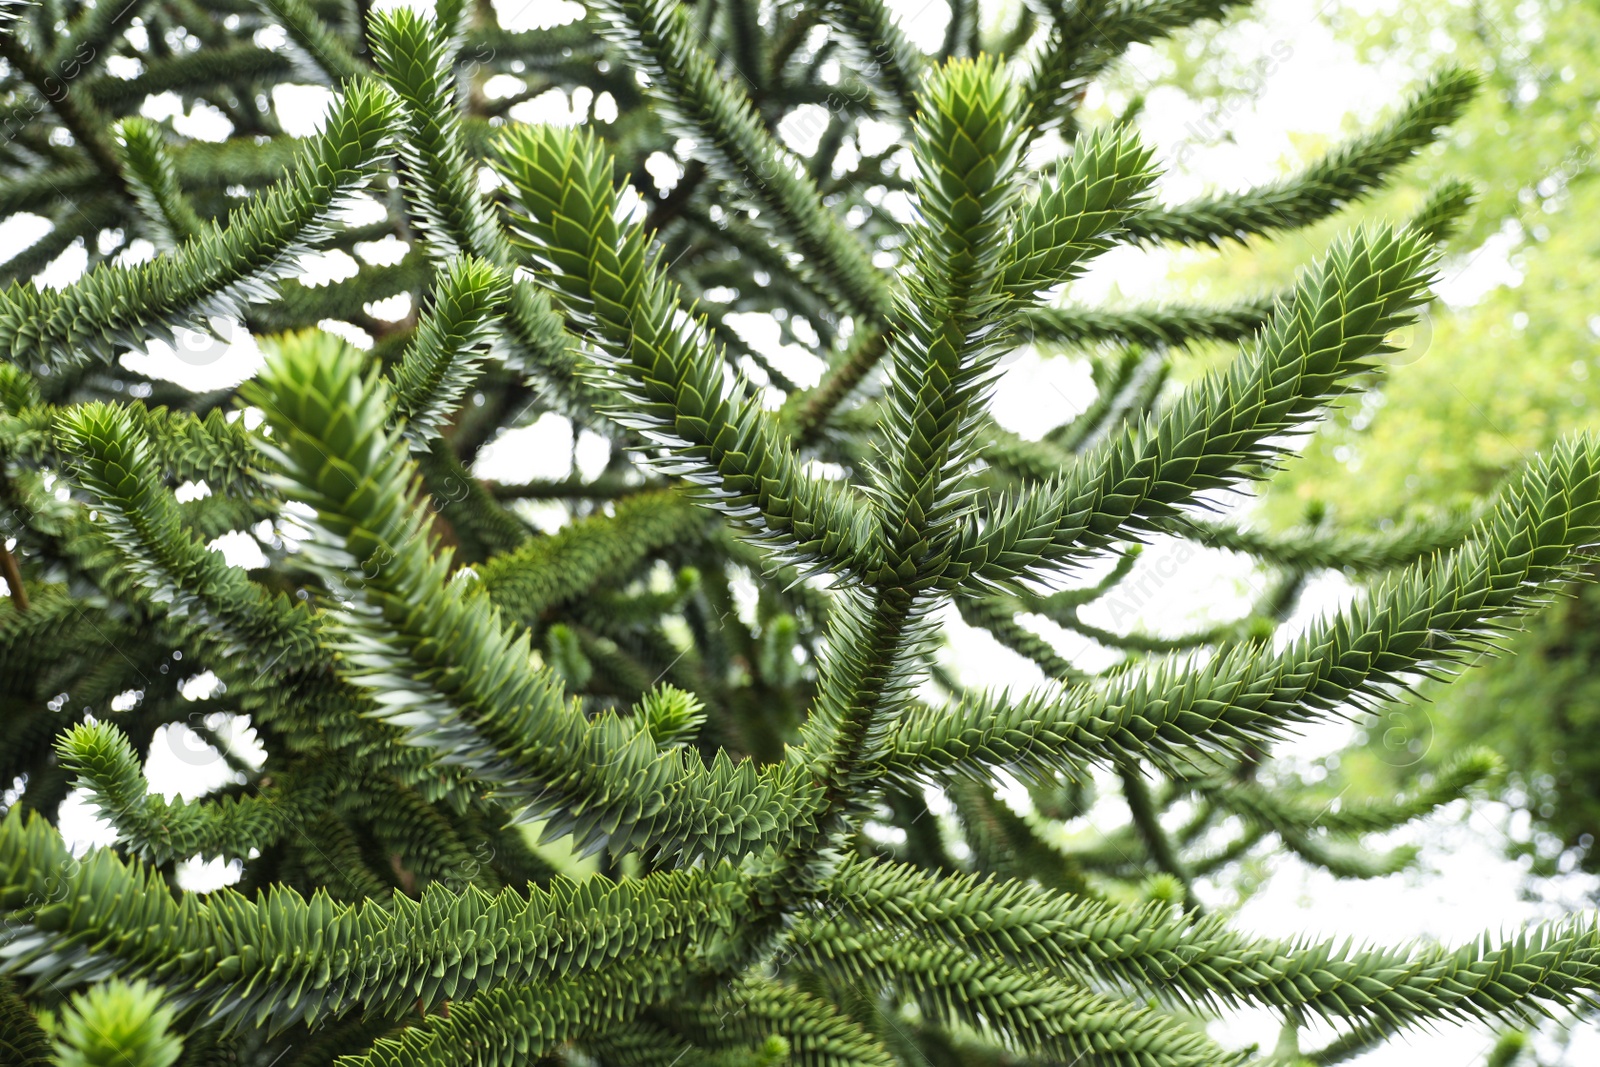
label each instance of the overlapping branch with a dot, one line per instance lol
(667, 380)
(282, 958)
(440, 661)
(1339, 316)
(1423, 620)
(213, 274)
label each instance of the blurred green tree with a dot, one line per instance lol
(1504, 365)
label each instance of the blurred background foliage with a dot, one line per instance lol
(1507, 360)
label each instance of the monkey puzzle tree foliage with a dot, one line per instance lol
(1457, 414)
(718, 675)
(1529, 142)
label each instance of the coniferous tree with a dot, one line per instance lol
(718, 676)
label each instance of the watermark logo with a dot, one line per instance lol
(1409, 343)
(204, 341)
(1402, 735)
